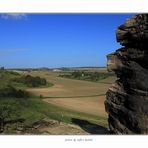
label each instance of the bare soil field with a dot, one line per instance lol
(90, 105)
(77, 95)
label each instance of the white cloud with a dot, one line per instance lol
(14, 16)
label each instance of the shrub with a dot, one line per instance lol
(10, 91)
(89, 76)
(31, 81)
(9, 112)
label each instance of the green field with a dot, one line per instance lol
(58, 102)
(87, 75)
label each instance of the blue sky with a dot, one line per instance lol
(57, 40)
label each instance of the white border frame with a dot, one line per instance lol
(73, 6)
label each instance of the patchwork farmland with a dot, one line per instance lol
(78, 95)
(62, 105)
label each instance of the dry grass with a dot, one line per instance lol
(78, 95)
(108, 80)
(90, 105)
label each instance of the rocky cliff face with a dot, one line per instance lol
(127, 99)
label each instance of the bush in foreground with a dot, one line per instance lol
(31, 81)
(10, 91)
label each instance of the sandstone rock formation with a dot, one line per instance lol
(127, 99)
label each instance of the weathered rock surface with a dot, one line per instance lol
(127, 99)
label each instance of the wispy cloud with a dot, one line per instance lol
(14, 16)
